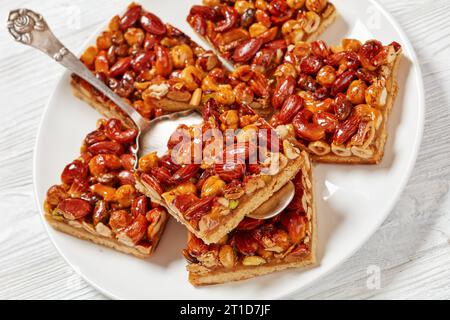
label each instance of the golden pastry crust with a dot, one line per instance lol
(326, 22)
(82, 233)
(243, 272)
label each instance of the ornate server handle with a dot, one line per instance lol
(30, 28)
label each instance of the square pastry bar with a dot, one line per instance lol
(154, 66)
(97, 199)
(258, 247)
(335, 101)
(241, 30)
(217, 172)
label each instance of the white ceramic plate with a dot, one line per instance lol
(352, 201)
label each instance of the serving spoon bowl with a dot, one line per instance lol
(30, 28)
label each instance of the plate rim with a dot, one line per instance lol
(389, 207)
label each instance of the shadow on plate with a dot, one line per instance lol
(339, 30)
(394, 119)
(171, 245)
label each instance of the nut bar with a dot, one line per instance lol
(258, 247)
(153, 66)
(97, 200)
(216, 173)
(335, 102)
(242, 30)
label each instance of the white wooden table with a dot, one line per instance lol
(411, 249)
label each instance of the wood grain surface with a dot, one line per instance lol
(410, 252)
